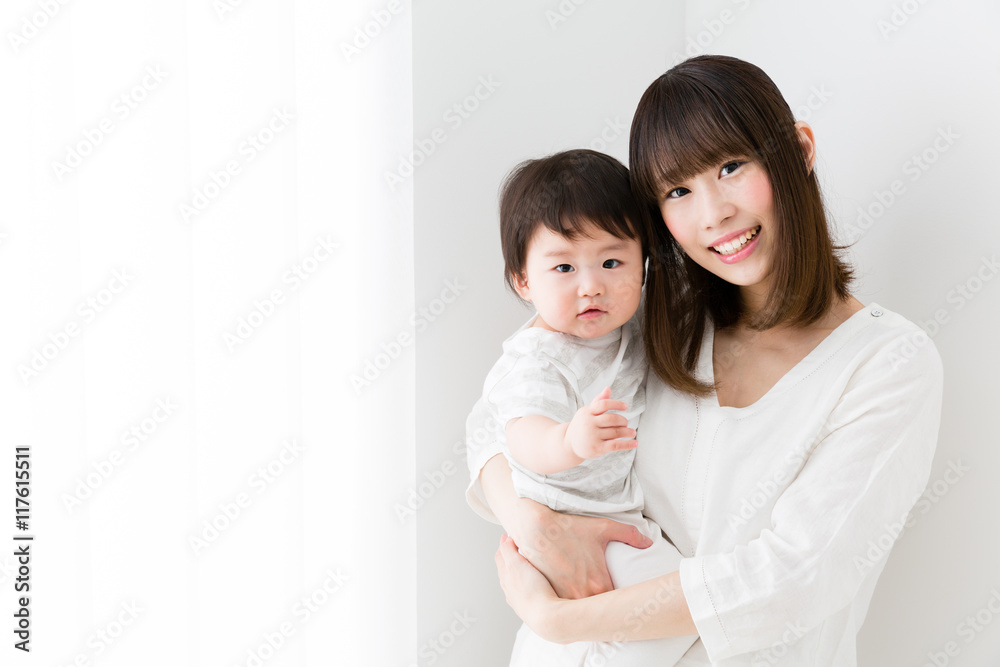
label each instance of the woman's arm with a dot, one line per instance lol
(568, 549)
(649, 610)
(861, 478)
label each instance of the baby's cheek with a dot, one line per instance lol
(630, 287)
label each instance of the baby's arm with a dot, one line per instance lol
(546, 446)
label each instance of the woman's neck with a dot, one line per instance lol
(753, 299)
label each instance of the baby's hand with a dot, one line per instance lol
(595, 432)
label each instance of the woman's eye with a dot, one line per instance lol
(611, 263)
(564, 268)
(730, 167)
(676, 193)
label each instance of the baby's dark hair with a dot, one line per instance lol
(567, 193)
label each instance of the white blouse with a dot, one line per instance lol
(785, 510)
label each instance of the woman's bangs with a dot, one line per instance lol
(697, 140)
(690, 134)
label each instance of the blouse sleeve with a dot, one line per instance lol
(854, 491)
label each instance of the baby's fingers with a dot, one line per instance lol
(600, 406)
(611, 420)
(620, 445)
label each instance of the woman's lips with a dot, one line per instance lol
(742, 253)
(728, 245)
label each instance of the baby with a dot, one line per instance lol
(568, 391)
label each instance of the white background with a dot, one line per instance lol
(417, 255)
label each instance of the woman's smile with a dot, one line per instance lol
(739, 248)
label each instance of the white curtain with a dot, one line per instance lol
(207, 343)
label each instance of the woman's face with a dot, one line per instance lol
(724, 220)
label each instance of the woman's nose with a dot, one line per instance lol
(716, 207)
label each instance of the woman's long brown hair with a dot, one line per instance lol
(704, 111)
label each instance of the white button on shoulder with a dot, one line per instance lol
(876, 312)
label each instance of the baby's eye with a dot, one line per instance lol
(611, 263)
(730, 167)
(677, 193)
(564, 268)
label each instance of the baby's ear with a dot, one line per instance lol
(521, 286)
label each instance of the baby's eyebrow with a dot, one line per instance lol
(564, 252)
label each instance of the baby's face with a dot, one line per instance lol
(586, 287)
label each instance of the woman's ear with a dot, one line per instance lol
(807, 141)
(521, 287)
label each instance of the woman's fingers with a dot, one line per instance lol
(527, 591)
(570, 553)
(622, 532)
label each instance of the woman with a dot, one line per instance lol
(789, 429)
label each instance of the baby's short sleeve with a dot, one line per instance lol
(528, 380)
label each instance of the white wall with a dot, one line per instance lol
(877, 98)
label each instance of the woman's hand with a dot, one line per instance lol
(569, 549)
(528, 592)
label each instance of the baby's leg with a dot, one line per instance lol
(628, 566)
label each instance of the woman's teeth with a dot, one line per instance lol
(735, 245)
